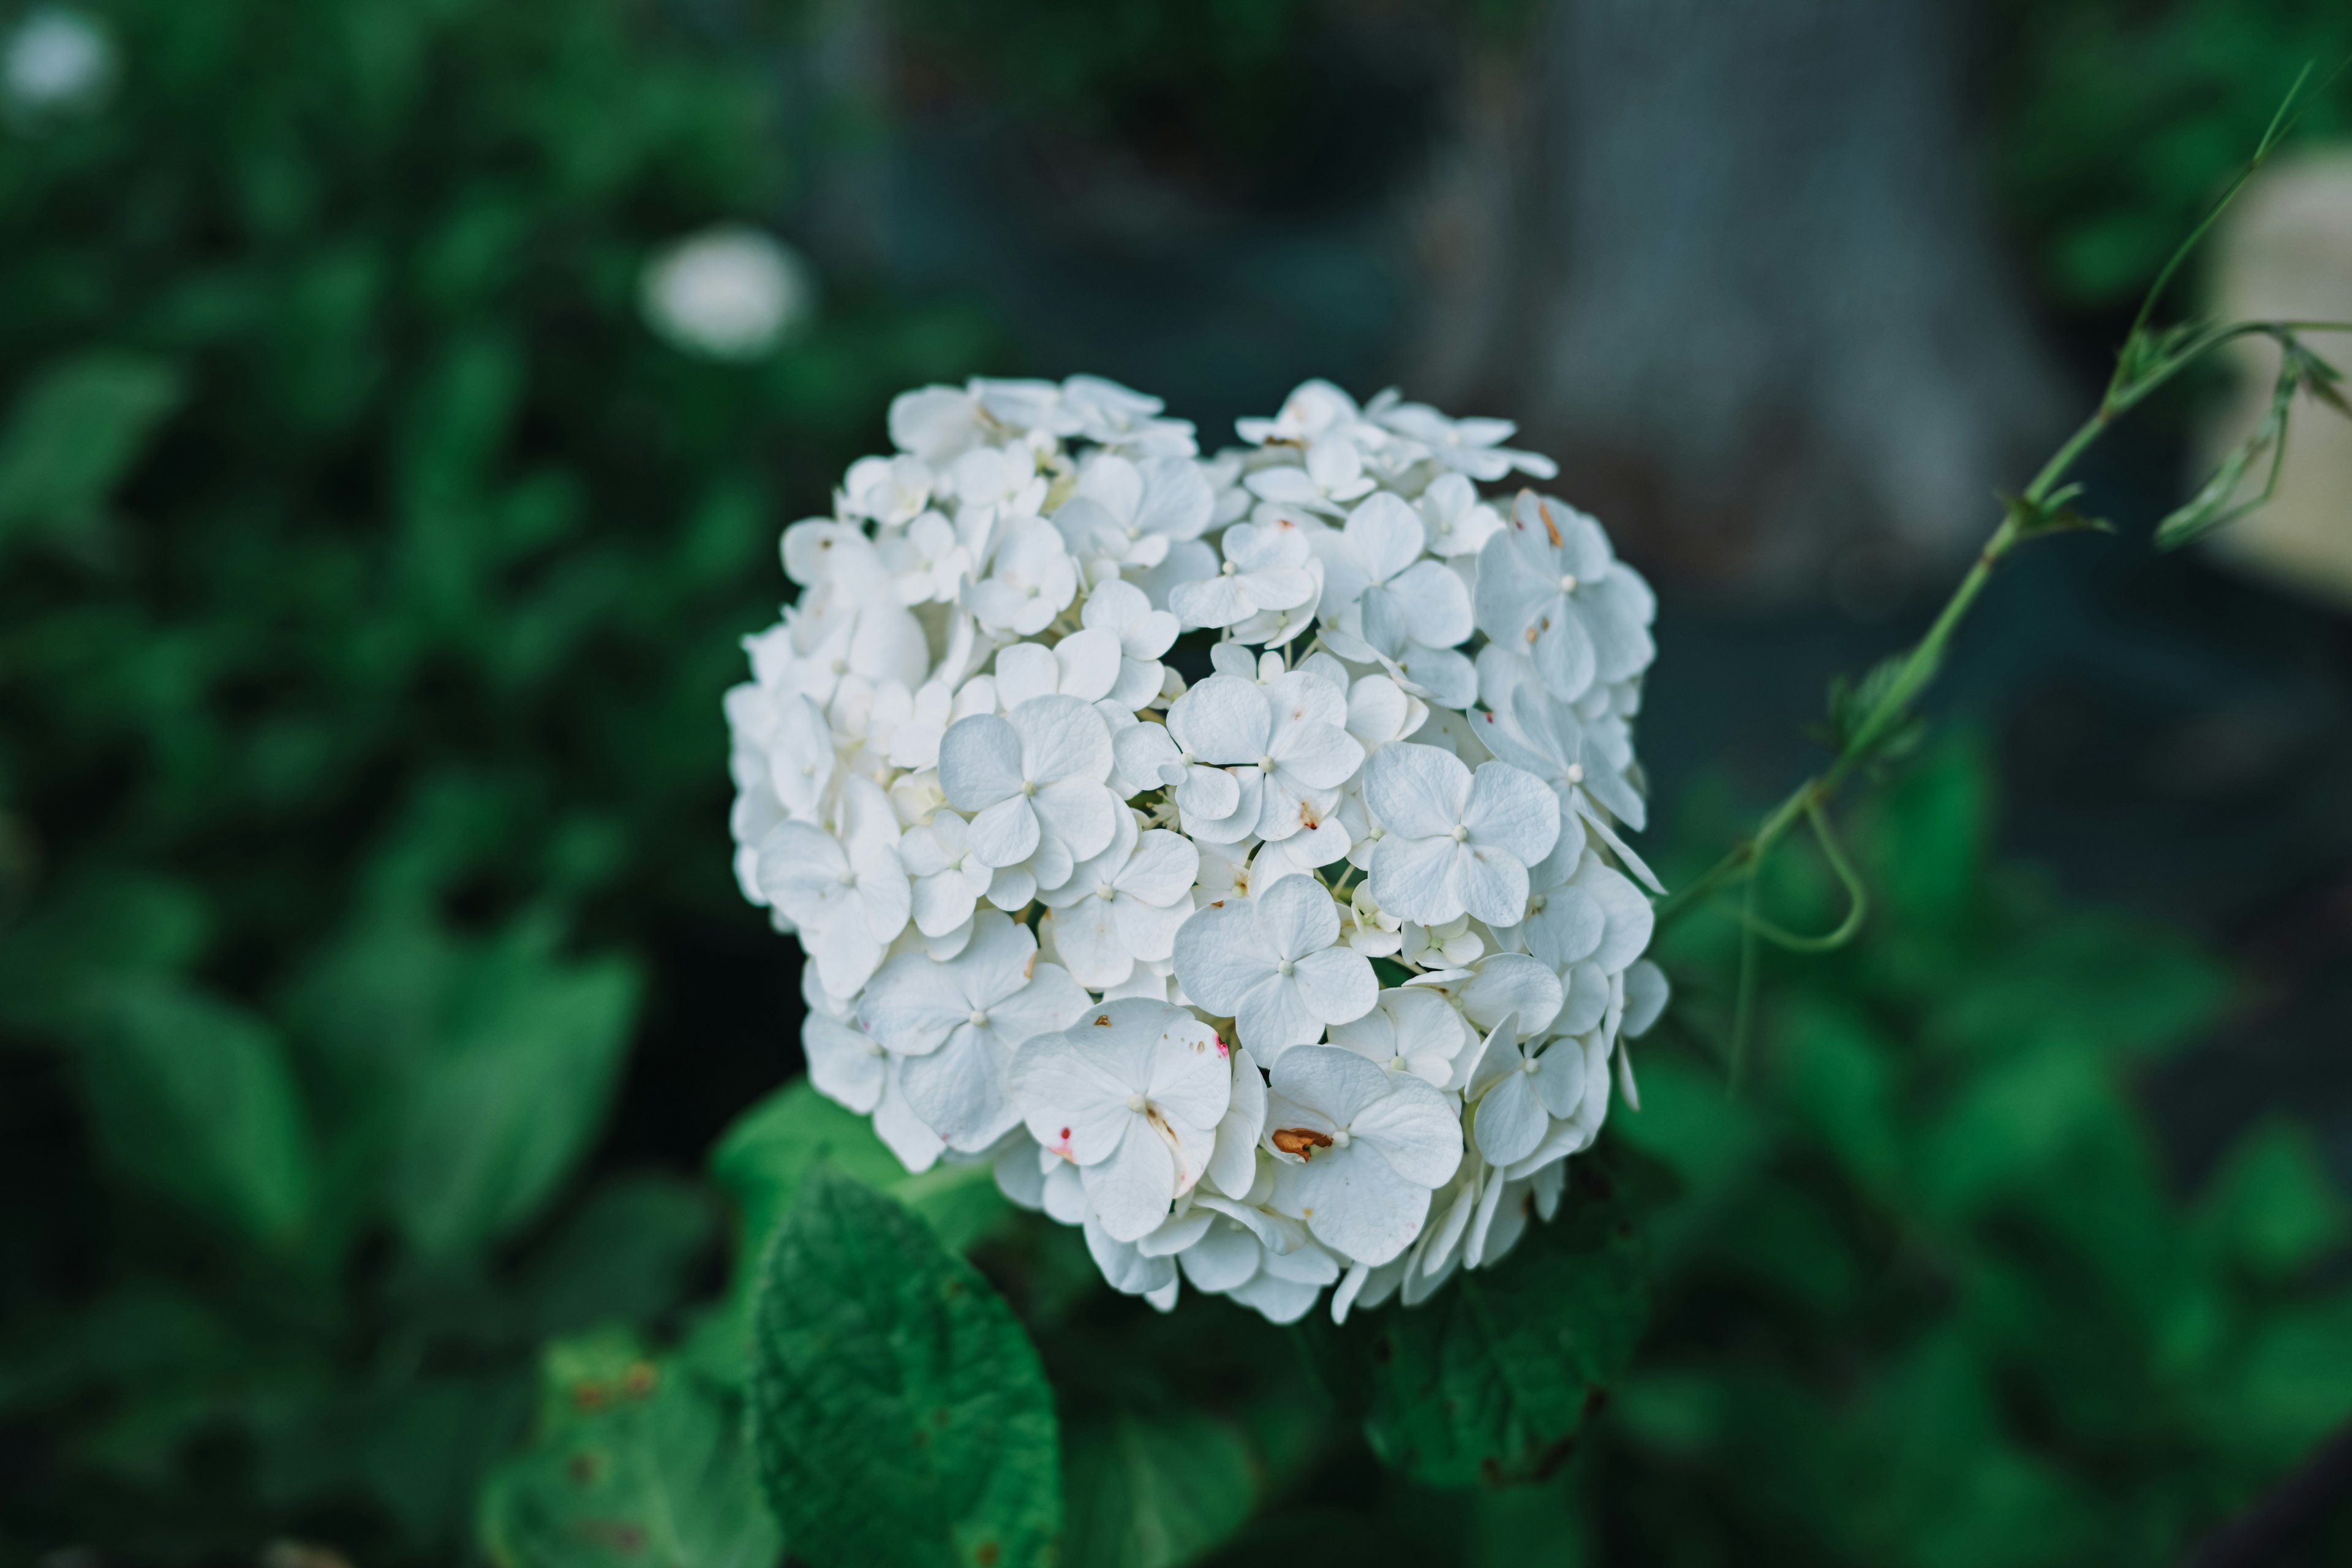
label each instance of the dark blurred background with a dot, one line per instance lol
(383, 489)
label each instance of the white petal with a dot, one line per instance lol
(1646, 998)
(1222, 719)
(979, 761)
(1511, 1119)
(1005, 833)
(1061, 738)
(1416, 1130)
(1413, 878)
(1220, 957)
(1490, 882)
(845, 1065)
(1296, 917)
(1435, 605)
(1559, 1077)
(1628, 914)
(1336, 983)
(1274, 1016)
(1225, 1257)
(1386, 536)
(1417, 791)
(905, 1133)
(1131, 1190)
(1089, 662)
(1513, 985)
(1073, 1091)
(1025, 670)
(960, 1089)
(1233, 1165)
(1513, 810)
(1353, 1200)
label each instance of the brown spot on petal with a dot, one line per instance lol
(1532, 633)
(1549, 527)
(1102, 1021)
(1301, 1140)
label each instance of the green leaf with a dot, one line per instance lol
(2272, 1207)
(75, 434)
(192, 1099)
(2034, 518)
(1155, 1492)
(772, 1149)
(900, 1413)
(1491, 1379)
(636, 1462)
(529, 1053)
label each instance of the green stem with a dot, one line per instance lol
(1919, 668)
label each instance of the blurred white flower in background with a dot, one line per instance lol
(727, 292)
(57, 60)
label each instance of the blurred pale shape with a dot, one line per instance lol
(728, 292)
(56, 59)
(2286, 254)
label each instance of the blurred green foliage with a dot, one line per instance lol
(2119, 121)
(1923, 1293)
(368, 574)
(368, 578)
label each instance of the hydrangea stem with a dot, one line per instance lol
(1919, 668)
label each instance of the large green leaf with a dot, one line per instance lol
(73, 435)
(636, 1462)
(1490, 1380)
(192, 1099)
(900, 1413)
(527, 1058)
(1155, 1492)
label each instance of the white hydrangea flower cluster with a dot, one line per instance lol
(1309, 972)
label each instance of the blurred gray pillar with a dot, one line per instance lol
(1730, 260)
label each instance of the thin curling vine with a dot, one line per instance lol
(1874, 718)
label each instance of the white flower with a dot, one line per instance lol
(1518, 1088)
(1459, 523)
(848, 894)
(1386, 602)
(1285, 743)
(729, 292)
(891, 490)
(1266, 569)
(1031, 581)
(1125, 420)
(956, 1023)
(1269, 964)
(1003, 480)
(1143, 633)
(1536, 732)
(1371, 930)
(937, 424)
(1360, 1148)
(949, 879)
(56, 59)
(1549, 585)
(1084, 665)
(1447, 946)
(1132, 1096)
(1455, 842)
(1131, 514)
(928, 562)
(1472, 447)
(968, 711)
(1035, 774)
(1411, 1030)
(1123, 904)
(1331, 476)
